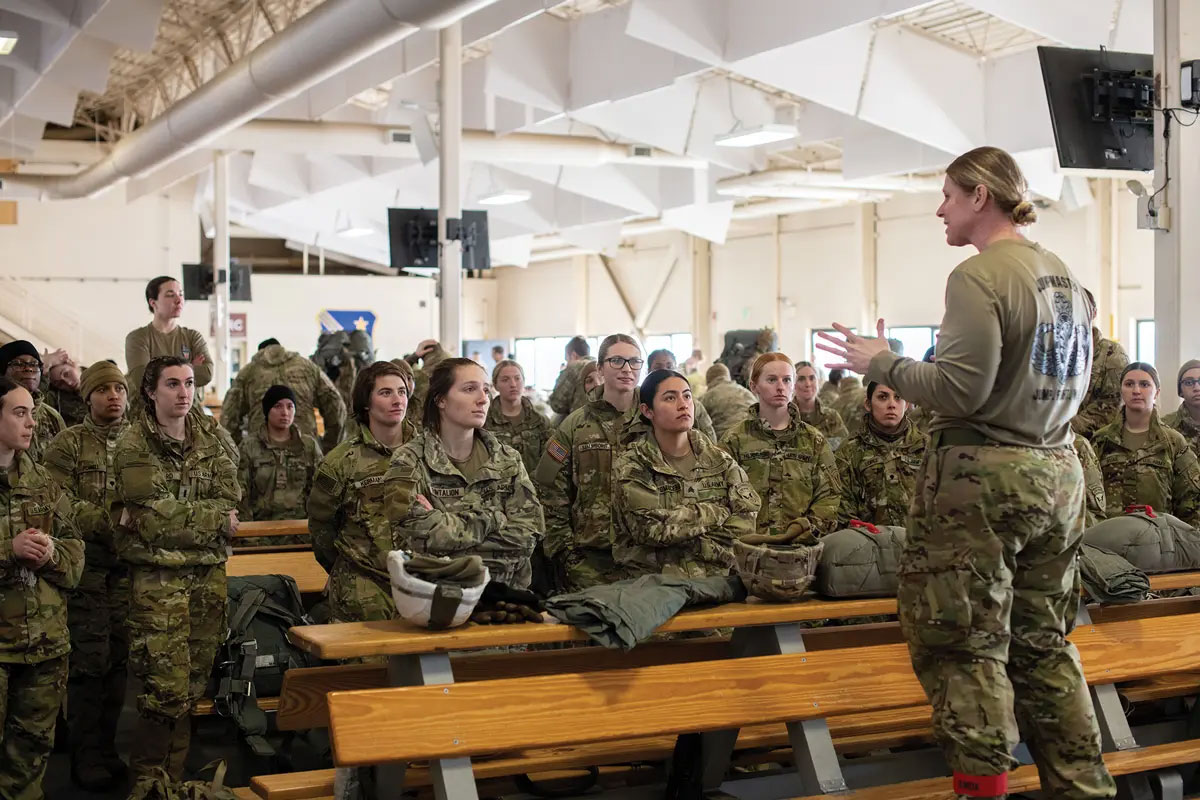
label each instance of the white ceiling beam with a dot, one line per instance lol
(1076, 23)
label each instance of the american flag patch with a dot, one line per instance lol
(556, 451)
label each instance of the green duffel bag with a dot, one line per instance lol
(861, 561)
(1151, 541)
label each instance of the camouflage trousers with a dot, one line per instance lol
(355, 596)
(30, 697)
(96, 612)
(176, 623)
(988, 593)
(588, 567)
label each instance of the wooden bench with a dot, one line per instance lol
(450, 724)
(273, 527)
(302, 565)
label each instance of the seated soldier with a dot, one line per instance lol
(456, 490)
(276, 466)
(879, 464)
(678, 499)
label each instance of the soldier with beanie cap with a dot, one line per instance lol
(80, 460)
(1186, 420)
(276, 466)
(21, 361)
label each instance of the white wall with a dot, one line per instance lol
(816, 268)
(93, 258)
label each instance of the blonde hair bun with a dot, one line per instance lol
(1024, 213)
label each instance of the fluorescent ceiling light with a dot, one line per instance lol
(506, 197)
(352, 231)
(759, 135)
(8, 40)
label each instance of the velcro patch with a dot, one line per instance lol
(557, 451)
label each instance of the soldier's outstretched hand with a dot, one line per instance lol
(855, 352)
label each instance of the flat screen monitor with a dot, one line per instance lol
(1101, 107)
(414, 238)
(198, 282)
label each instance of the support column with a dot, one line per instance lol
(702, 321)
(1176, 250)
(579, 268)
(1107, 193)
(219, 302)
(449, 190)
(864, 235)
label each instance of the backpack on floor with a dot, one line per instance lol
(256, 652)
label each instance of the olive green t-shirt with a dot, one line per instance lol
(1134, 441)
(475, 462)
(685, 464)
(1014, 352)
(143, 344)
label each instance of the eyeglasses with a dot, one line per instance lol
(617, 362)
(25, 365)
(1188, 383)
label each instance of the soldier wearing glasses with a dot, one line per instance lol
(1187, 419)
(21, 362)
(574, 476)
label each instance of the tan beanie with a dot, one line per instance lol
(97, 375)
(716, 373)
(1193, 364)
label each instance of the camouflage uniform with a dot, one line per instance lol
(879, 472)
(1103, 398)
(80, 460)
(852, 395)
(416, 403)
(348, 540)
(727, 404)
(1183, 422)
(574, 481)
(241, 411)
(1093, 482)
(1163, 474)
(921, 418)
(794, 473)
(528, 435)
(989, 578)
(568, 393)
(276, 479)
(67, 402)
(495, 516)
(680, 525)
(49, 425)
(828, 394)
(703, 423)
(828, 422)
(174, 532)
(34, 640)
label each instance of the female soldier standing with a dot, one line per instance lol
(574, 477)
(1143, 461)
(879, 465)
(789, 462)
(350, 536)
(178, 490)
(457, 490)
(513, 419)
(988, 586)
(679, 500)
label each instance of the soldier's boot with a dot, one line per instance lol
(151, 746)
(89, 766)
(181, 740)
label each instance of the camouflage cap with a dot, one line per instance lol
(779, 572)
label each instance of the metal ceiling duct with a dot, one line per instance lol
(330, 38)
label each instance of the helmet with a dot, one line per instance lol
(436, 593)
(779, 572)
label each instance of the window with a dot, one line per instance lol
(680, 344)
(542, 358)
(915, 338)
(1144, 345)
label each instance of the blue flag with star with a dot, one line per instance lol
(336, 320)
